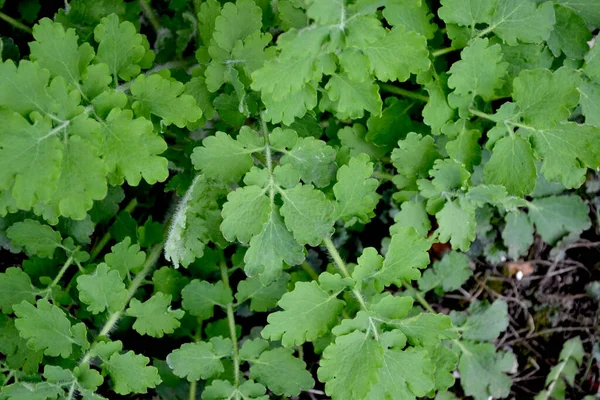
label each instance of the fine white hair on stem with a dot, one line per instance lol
(174, 246)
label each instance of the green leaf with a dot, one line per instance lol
(14, 347)
(512, 165)
(31, 391)
(308, 214)
(313, 159)
(404, 374)
(236, 22)
(223, 158)
(467, 12)
(46, 327)
(480, 70)
(522, 20)
(130, 373)
(200, 297)
(169, 281)
(164, 98)
(195, 361)
(517, 234)
(154, 317)
(427, 329)
(412, 215)
(570, 34)
(37, 239)
(456, 224)
(413, 15)
(262, 298)
(449, 274)
(482, 370)
(355, 191)
(557, 216)
(590, 102)
(245, 213)
(568, 150)
(125, 258)
(350, 366)
(23, 88)
(398, 54)
(407, 253)
(544, 97)
(308, 313)
(131, 149)
(104, 290)
(486, 321)
(224, 390)
(15, 287)
(270, 248)
(415, 155)
(351, 98)
(119, 46)
(57, 50)
(281, 372)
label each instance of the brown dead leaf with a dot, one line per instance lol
(524, 267)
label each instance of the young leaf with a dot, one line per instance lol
(130, 373)
(195, 361)
(104, 290)
(262, 298)
(281, 372)
(556, 216)
(448, 274)
(154, 317)
(482, 370)
(308, 313)
(200, 297)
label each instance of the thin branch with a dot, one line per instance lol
(17, 24)
(386, 87)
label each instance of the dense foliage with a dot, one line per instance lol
(305, 158)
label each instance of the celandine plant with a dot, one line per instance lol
(286, 129)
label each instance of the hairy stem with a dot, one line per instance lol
(269, 160)
(231, 322)
(386, 87)
(107, 236)
(341, 265)
(135, 284)
(150, 15)
(62, 271)
(17, 24)
(420, 298)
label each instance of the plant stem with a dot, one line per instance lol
(62, 271)
(309, 270)
(193, 386)
(135, 284)
(386, 87)
(441, 52)
(383, 175)
(481, 114)
(149, 14)
(269, 160)
(231, 322)
(107, 236)
(15, 23)
(341, 265)
(420, 298)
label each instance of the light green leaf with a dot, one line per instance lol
(104, 290)
(313, 159)
(15, 287)
(200, 297)
(281, 372)
(308, 313)
(164, 98)
(195, 361)
(482, 371)
(486, 322)
(517, 234)
(448, 274)
(245, 213)
(270, 248)
(570, 35)
(350, 366)
(308, 214)
(262, 298)
(457, 225)
(350, 98)
(512, 165)
(413, 15)
(130, 373)
(522, 20)
(37, 239)
(557, 216)
(154, 317)
(223, 158)
(355, 191)
(125, 258)
(46, 327)
(119, 46)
